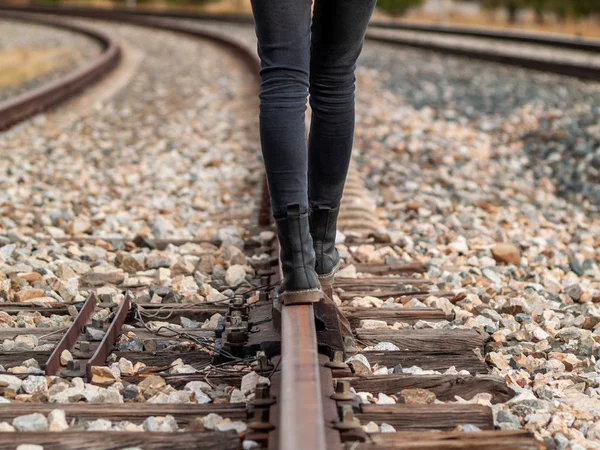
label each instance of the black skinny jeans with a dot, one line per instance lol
(292, 63)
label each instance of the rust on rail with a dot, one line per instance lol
(48, 95)
(302, 420)
(70, 337)
(109, 339)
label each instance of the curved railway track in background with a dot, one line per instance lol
(423, 36)
(309, 403)
(51, 94)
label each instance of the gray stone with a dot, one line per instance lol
(25, 342)
(507, 421)
(30, 422)
(35, 383)
(165, 424)
(94, 334)
(99, 425)
(11, 382)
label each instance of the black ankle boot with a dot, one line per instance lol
(323, 226)
(300, 282)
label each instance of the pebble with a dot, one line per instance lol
(6, 427)
(11, 382)
(371, 427)
(386, 428)
(103, 376)
(235, 275)
(99, 425)
(369, 324)
(383, 399)
(506, 253)
(65, 357)
(250, 380)
(416, 396)
(30, 422)
(57, 420)
(160, 424)
(35, 384)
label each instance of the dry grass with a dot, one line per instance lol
(587, 28)
(20, 65)
(225, 6)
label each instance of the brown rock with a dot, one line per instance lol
(360, 369)
(416, 396)
(42, 300)
(152, 382)
(30, 276)
(507, 253)
(28, 294)
(129, 264)
(103, 376)
(497, 360)
(100, 279)
(568, 359)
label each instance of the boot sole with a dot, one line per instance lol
(328, 278)
(301, 297)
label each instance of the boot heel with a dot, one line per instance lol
(329, 278)
(323, 228)
(301, 297)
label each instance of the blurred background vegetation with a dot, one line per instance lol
(565, 16)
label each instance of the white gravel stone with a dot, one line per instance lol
(57, 420)
(30, 422)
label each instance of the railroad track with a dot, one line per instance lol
(571, 56)
(51, 94)
(307, 396)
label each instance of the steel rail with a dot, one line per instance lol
(69, 339)
(302, 420)
(110, 338)
(48, 95)
(568, 68)
(531, 37)
(584, 71)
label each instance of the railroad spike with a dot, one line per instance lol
(337, 362)
(262, 396)
(261, 420)
(262, 364)
(347, 419)
(342, 391)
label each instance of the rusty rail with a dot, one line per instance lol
(29, 103)
(302, 419)
(532, 37)
(109, 339)
(302, 422)
(69, 339)
(585, 71)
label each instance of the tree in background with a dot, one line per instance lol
(540, 7)
(512, 7)
(397, 7)
(562, 9)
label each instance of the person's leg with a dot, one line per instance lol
(283, 32)
(338, 32)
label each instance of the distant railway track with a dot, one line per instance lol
(424, 36)
(309, 403)
(21, 107)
